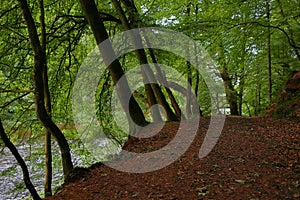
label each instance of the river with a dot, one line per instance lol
(11, 177)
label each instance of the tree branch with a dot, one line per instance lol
(15, 91)
(13, 100)
(21, 162)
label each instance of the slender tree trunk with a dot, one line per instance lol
(152, 100)
(148, 87)
(189, 74)
(141, 54)
(39, 70)
(48, 159)
(48, 167)
(258, 99)
(197, 109)
(269, 53)
(240, 104)
(242, 74)
(135, 113)
(162, 79)
(189, 89)
(21, 162)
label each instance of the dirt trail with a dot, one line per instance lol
(255, 158)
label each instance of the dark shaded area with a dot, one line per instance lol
(287, 103)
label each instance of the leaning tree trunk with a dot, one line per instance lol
(21, 162)
(39, 69)
(148, 87)
(135, 113)
(141, 55)
(149, 93)
(164, 82)
(133, 12)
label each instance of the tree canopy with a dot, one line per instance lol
(255, 44)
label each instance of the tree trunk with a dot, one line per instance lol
(189, 73)
(39, 69)
(21, 162)
(257, 109)
(240, 104)
(148, 87)
(242, 74)
(141, 54)
(189, 89)
(152, 100)
(229, 88)
(48, 154)
(230, 93)
(269, 53)
(135, 113)
(162, 79)
(197, 109)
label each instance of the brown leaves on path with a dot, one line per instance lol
(255, 158)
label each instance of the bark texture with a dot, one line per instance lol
(135, 113)
(39, 70)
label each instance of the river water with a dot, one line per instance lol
(12, 186)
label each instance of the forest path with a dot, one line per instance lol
(255, 158)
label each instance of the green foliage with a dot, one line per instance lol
(240, 28)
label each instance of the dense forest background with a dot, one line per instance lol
(255, 45)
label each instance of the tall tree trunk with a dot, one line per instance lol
(189, 89)
(21, 162)
(230, 91)
(163, 80)
(135, 113)
(240, 102)
(152, 100)
(258, 99)
(39, 69)
(269, 52)
(48, 154)
(141, 54)
(148, 87)
(196, 109)
(242, 74)
(189, 74)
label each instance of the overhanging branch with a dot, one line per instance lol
(13, 100)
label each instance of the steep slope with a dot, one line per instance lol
(287, 104)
